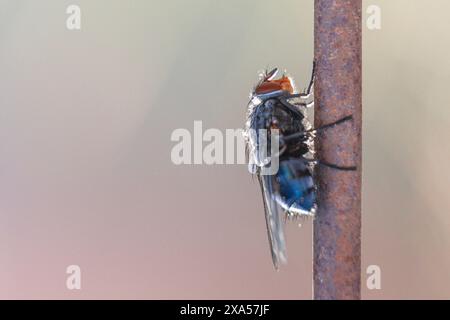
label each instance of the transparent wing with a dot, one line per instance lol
(274, 221)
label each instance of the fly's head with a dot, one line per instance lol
(268, 86)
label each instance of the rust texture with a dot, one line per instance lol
(337, 91)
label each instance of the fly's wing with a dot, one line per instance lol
(274, 220)
(256, 120)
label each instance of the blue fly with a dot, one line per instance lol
(276, 110)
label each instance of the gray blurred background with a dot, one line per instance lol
(85, 171)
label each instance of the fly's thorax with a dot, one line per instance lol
(260, 126)
(271, 116)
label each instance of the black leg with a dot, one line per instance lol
(313, 75)
(308, 93)
(304, 95)
(330, 165)
(326, 126)
(313, 131)
(304, 104)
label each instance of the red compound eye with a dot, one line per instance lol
(268, 86)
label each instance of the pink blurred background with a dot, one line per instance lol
(85, 171)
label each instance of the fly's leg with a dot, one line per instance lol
(316, 130)
(291, 107)
(284, 100)
(308, 94)
(306, 97)
(311, 81)
(298, 135)
(329, 165)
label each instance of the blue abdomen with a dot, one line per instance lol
(296, 185)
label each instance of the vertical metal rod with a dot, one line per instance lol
(337, 91)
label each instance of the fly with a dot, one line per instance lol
(275, 108)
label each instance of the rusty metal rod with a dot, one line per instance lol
(337, 91)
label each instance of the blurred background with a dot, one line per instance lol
(85, 171)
